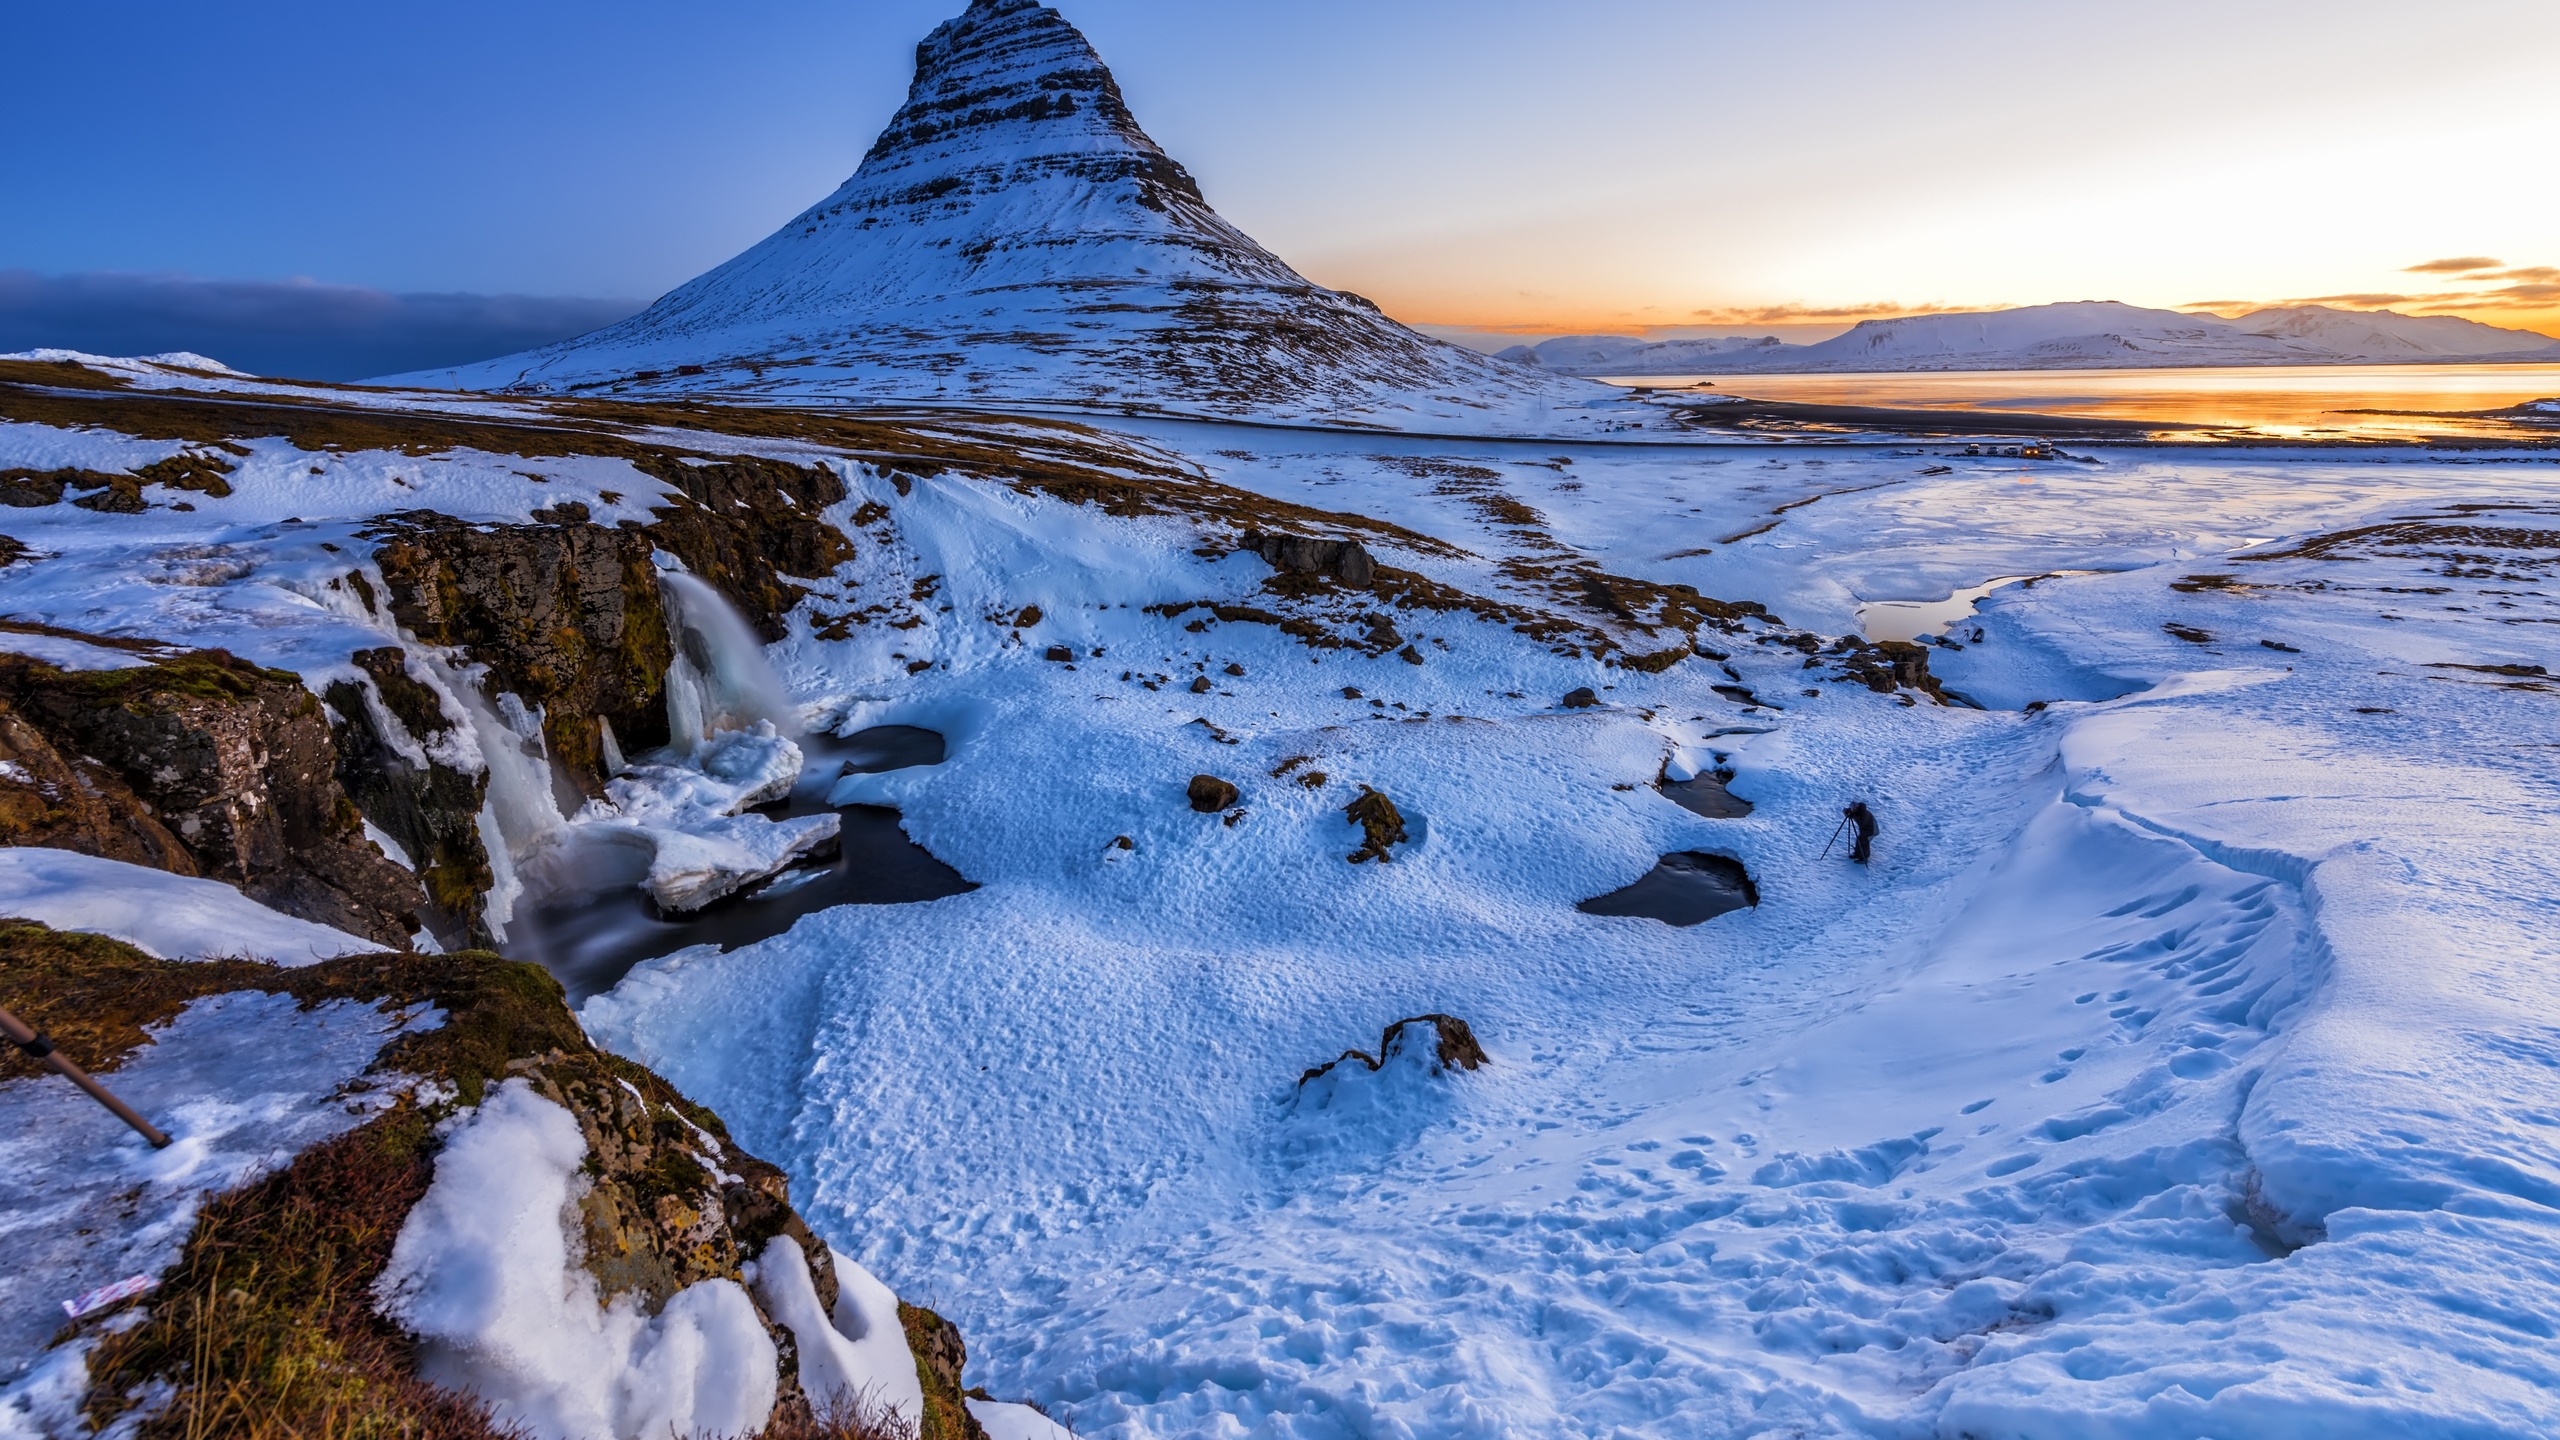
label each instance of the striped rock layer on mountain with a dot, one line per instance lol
(1014, 236)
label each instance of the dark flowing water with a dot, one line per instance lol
(591, 933)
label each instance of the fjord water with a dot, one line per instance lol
(2277, 402)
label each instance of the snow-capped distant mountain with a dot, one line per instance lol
(1602, 354)
(2079, 335)
(1014, 236)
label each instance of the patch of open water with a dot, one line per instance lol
(1686, 887)
(597, 924)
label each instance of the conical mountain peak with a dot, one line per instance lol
(1014, 236)
(1012, 77)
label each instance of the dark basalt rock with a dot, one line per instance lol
(1209, 794)
(1453, 1041)
(232, 764)
(1686, 887)
(566, 616)
(1345, 560)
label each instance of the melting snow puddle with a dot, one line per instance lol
(1705, 796)
(1910, 619)
(591, 936)
(1687, 887)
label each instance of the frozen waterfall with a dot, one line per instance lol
(719, 679)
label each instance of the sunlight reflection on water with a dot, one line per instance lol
(2274, 401)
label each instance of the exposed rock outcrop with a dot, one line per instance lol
(429, 807)
(71, 802)
(748, 523)
(1452, 1040)
(1885, 666)
(1381, 825)
(200, 764)
(566, 615)
(1345, 560)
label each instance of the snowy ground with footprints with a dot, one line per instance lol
(2181, 1064)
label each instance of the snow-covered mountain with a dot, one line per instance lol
(2078, 335)
(1014, 236)
(1605, 354)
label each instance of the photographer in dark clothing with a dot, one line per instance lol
(1865, 819)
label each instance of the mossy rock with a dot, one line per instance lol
(267, 1326)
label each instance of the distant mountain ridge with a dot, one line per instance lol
(2076, 335)
(1013, 236)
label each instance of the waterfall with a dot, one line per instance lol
(720, 679)
(521, 808)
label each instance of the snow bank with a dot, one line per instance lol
(169, 916)
(484, 1273)
(64, 653)
(1016, 1422)
(859, 1356)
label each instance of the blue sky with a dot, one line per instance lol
(1607, 164)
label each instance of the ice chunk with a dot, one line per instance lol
(690, 814)
(696, 866)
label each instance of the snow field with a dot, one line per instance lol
(2013, 1134)
(2182, 1068)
